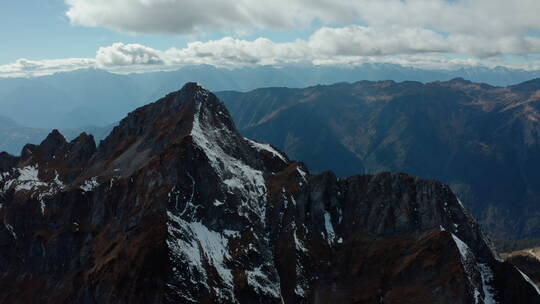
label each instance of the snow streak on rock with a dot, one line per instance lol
(330, 234)
(27, 179)
(266, 147)
(195, 244)
(472, 267)
(235, 174)
(90, 184)
(487, 279)
(529, 281)
(258, 279)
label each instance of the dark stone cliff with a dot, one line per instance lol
(174, 206)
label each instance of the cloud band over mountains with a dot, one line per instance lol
(419, 33)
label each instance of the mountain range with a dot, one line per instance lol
(96, 97)
(349, 128)
(175, 206)
(480, 139)
(14, 136)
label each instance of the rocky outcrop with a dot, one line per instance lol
(175, 206)
(481, 140)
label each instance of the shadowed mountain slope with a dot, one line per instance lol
(175, 206)
(482, 140)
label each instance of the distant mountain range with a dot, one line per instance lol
(13, 136)
(96, 97)
(479, 138)
(482, 140)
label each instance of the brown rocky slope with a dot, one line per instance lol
(174, 206)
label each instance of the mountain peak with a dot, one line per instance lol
(54, 139)
(191, 118)
(193, 86)
(179, 205)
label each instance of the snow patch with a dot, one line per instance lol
(10, 229)
(257, 279)
(484, 238)
(330, 234)
(299, 291)
(89, 184)
(464, 250)
(28, 180)
(293, 201)
(470, 265)
(266, 147)
(301, 281)
(198, 246)
(526, 277)
(236, 175)
(302, 173)
(487, 279)
(298, 243)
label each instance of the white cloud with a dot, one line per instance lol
(485, 17)
(194, 16)
(120, 54)
(482, 17)
(350, 45)
(479, 31)
(332, 45)
(361, 40)
(235, 52)
(31, 68)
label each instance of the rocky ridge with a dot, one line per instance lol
(175, 206)
(483, 141)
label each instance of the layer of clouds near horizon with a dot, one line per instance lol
(429, 34)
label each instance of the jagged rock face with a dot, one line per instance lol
(176, 207)
(482, 140)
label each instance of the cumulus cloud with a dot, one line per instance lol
(120, 54)
(350, 45)
(332, 45)
(485, 17)
(391, 30)
(194, 16)
(235, 52)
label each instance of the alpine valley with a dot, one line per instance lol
(175, 206)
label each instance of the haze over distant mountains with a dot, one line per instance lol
(483, 140)
(91, 97)
(96, 97)
(14, 136)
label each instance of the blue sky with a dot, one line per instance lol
(39, 29)
(47, 36)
